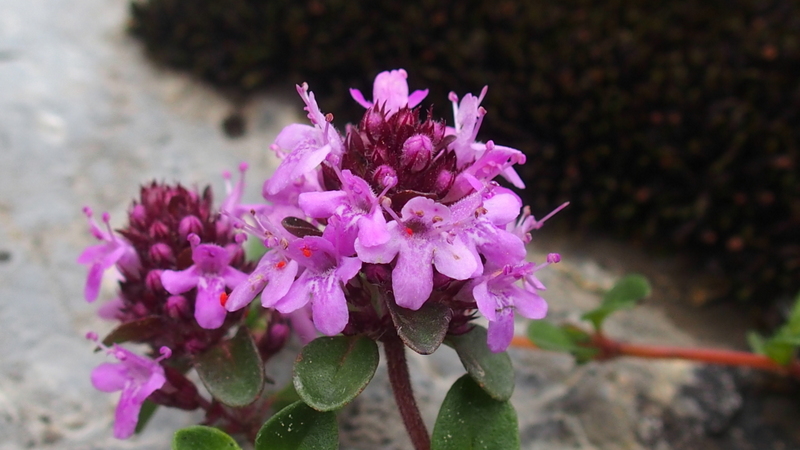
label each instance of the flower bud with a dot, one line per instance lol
(153, 281)
(159, 231)
(553, 258)
(385, 176)
(138, 215)
(177, 306)
(444, 181)
(377, 273)
(417, 151)
(372, 123)
(161, 254)
(188, 225)
(274, 339)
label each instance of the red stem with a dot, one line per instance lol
(613, 349)
(404, 396)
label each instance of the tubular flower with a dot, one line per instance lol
(420, 242)
(136, 376)
(498, 297)
(210, 274)
(390, 91)
(321, 284)
(113, 251)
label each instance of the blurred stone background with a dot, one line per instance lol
(85, 119)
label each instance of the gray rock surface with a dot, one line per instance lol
(84, 119)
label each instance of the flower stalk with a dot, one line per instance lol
(397, 366)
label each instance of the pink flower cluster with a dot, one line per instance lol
(414, 196)
(396, 212)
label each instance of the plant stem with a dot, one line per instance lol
(404, 396)
(613, 349)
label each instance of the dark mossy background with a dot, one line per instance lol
(669, 122)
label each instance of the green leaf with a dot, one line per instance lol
(199, 437)
(756, 342)
(786, 339)
(300, 227)
(137, 330)
(145, 414)
(624, 295)
(232, 370)
(492, 371)
(779, 352)
(471, 420)
(777, 348)
(793, 324)
(332, 371)
(422, 330)
(549, 336)
(781, 347)
(298, 427)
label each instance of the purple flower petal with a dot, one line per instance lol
(233, 277)
(112, 309)
(329, 307)
(210, 258)
(109, 377)
(529, 304)
(412, 277)
(487, 304)
(321, 205)
(359, 98)
(455, 260)
(303, 325)
(208, 311)
(93, 281)
(130, 404)
(372, 229)
(273, 270)
(417, 97)
(92, 253)
(501, 331)
(178, 282)
(299, 295)
(137, 377)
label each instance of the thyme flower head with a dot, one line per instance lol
(399, 211)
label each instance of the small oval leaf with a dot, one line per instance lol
(331, 371)
(471, 420)
(299, 427)
(136, 330)
(551, 337)
(492, 371)
(145, 414)
(548, 336)
(422, 330)
(624, 295)
(232, 370)
(300, 227)
(199, 437)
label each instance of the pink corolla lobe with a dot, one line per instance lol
(390, 91)
(136, 376)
